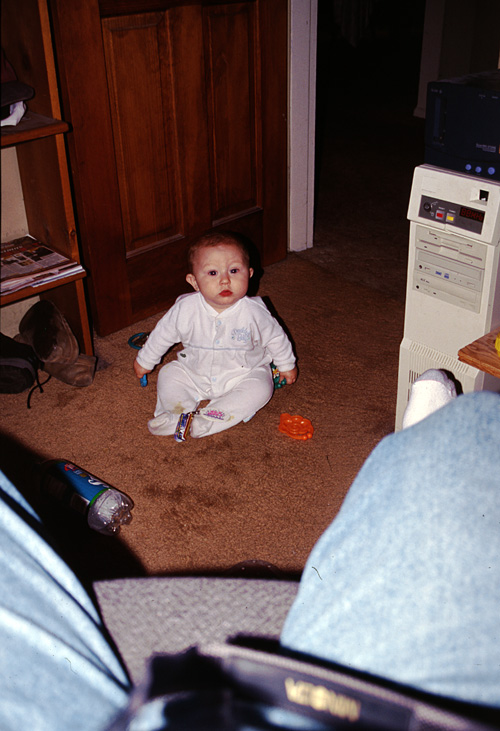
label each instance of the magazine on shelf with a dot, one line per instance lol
(27, 262)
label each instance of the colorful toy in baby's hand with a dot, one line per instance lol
(276, 377)
(137, 341)
(296, 426)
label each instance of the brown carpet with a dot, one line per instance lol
(250, 493)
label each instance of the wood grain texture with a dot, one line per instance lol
(482, 354)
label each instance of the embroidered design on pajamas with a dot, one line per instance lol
(214, 414)
(242, 335)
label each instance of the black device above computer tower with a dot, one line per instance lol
(462, 129)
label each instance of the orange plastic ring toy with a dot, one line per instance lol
(296, 426)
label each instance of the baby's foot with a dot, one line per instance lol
(432, 390)
(163, 424)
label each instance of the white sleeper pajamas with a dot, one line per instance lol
(225, 359)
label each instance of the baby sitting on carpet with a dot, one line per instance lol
(229, 341)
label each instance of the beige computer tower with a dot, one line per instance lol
(453, 285)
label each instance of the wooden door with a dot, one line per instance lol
(179, 125)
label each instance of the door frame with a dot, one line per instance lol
(302, 35)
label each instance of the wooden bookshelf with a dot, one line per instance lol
(41, 156)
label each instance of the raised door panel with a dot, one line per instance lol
(233, 90)
(179, 94)
(141, 96)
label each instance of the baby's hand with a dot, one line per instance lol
(289, 376)
(139, 370)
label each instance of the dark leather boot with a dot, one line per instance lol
(80, 373)
(47, 331)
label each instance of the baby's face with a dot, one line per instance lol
(221, 274)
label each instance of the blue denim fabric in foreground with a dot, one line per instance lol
(405, 583)
(57, 671)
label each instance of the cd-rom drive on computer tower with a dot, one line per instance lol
(453, 284)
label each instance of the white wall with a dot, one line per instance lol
(14, 225)
(14, 222)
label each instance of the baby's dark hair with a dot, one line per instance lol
(214, 239)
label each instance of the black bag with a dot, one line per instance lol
(243, 688)
(18, 367)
